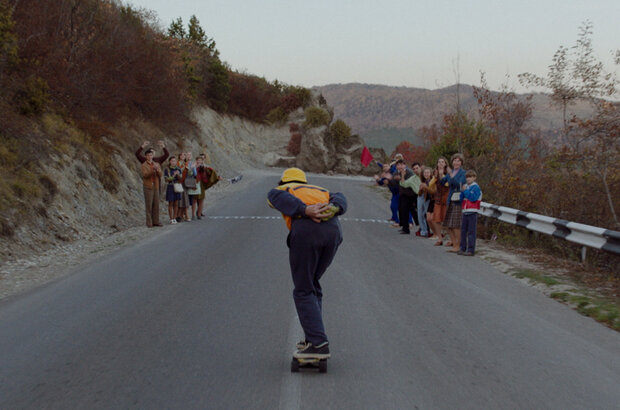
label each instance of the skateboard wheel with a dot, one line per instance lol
(294, 366)
(323, 366)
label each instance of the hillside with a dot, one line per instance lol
(385, 115)
(84, 86)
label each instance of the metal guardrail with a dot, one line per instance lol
(586, 235)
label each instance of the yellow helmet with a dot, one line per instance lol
(294, 174)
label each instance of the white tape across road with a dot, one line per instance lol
(279, 218)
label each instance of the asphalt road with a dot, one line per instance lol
(201, 316)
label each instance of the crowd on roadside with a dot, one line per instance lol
(443, 201)
(182, 180)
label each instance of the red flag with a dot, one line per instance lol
(366, 157)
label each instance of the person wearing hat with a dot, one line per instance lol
(311, 215)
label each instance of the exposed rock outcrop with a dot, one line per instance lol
(321, 152)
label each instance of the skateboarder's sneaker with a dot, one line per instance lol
(301, 344)
(313, 352)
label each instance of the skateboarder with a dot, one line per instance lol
(311, 214)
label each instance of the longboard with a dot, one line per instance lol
(308, 363)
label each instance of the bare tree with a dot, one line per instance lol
(592, 143)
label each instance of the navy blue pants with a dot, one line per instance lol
(407, 210)
(394, 207)
(468, 231)
(312, 249)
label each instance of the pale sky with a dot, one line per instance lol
(395, 42)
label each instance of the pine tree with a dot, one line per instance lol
(177, 30)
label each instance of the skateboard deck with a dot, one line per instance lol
(308, 363)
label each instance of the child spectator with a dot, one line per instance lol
(182, 213)
(431, 191)
(194, 193)
(172, 176)
(441, 200)
(424, 198)
(470, 199)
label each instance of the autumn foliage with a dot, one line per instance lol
(98, 59)
(410, 152)
(294, 144)
(252, 97)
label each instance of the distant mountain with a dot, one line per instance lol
(384, 116)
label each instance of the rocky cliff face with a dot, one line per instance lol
(320, 152)
(76, 204)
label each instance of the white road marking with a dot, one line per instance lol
(290, 394)
(278, 218)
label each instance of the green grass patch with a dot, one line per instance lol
(561, 296)
(599, 309)
(536, 277)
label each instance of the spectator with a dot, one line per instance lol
(189, 160)
(417, 170)
(409, 186)
(425, 196)
(184, 204)
(193, 193)
(470, 198)
(456, 179)
(386, 179)
(151, 175)
(441, 200)
(160, 159)
(173, 175)
(206, 177)
(385, 175)
(394, 186)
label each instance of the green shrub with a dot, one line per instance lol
(25, 185)
(340, 131)
(315, 117)
(277, 116)
(304, 95)
(33, 96)
(218, 92)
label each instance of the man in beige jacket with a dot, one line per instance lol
(151, 175)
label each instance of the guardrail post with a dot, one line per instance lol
(583, 254)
